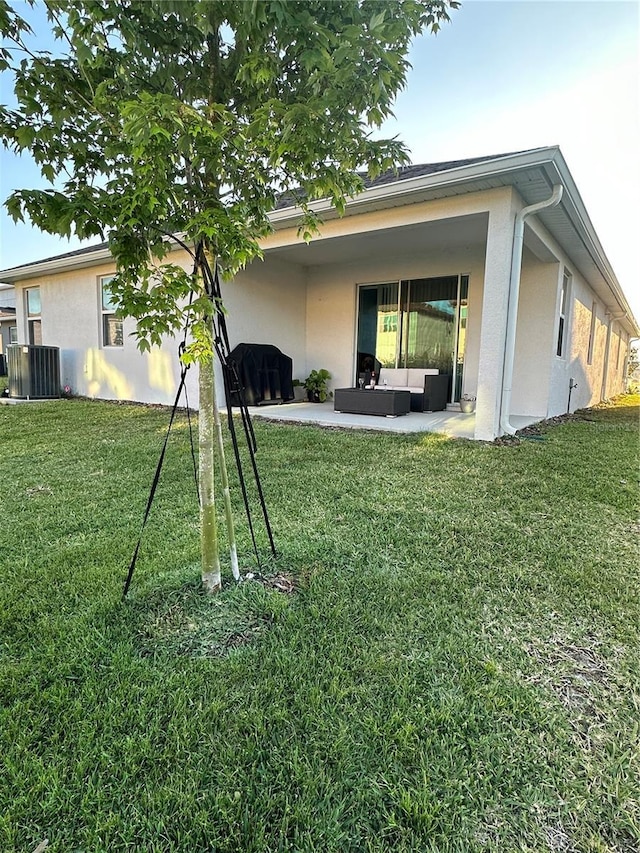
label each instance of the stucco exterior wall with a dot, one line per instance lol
(71, 320)
(332, 288)
(494, 307)
(393, 217)
(5, 335)
(534, 337)
(265, 304)
(587, 373)
(7, 300)
(618, 354)
(541, 377)
(574, 364)
(305, 303)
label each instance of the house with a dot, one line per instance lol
(487, 269)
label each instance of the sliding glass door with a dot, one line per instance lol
(415, 323)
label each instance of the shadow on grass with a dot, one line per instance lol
(177, 618)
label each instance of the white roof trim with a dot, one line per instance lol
(409, 186)
(57, 264)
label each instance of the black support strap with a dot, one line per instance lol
(232, 386)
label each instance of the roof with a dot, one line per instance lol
(76, 253)
(402, 173)
(533, 173)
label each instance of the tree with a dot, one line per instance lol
(191, 118)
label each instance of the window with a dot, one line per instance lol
(13, 334)
(618, 350)
(563, 314)
(34, 321)
(592, 333)
(112, 335)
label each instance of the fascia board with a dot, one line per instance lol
(550, 159)
(590, 239)
(55, 265)
(63, 264)
(389, 194)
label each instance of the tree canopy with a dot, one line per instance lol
(192, 117)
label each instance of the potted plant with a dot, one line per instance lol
(316, 385)
(299, 391)
(467, 404)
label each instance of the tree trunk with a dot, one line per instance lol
(233, 551)
(208, 526)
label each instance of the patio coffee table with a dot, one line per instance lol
(369, 401)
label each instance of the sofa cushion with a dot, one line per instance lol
(415, 375)
(395, 376)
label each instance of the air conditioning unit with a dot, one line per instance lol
(34, 372)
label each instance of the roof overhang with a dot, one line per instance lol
(88, 257)
(532, 173)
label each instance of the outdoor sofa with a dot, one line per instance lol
(429, 388)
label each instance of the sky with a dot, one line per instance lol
(504, 75)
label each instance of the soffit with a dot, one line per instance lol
(401, 241)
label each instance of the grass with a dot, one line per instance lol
(457, 669)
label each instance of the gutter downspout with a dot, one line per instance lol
(611, 317)
(512, 311)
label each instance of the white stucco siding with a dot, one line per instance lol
(303, 299)
(536, 343)
(534, 338)
(574, 363)
(599, 344)
(617, 359)
(585, 371)
(72, 320)
(266, 304)
(394, 217)
(332, 286)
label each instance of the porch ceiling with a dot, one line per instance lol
(406, 240)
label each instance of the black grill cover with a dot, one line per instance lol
(264, 373)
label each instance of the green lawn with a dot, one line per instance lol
(458, 668)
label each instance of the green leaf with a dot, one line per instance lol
(189, 116)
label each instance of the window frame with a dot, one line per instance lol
(564, 302)
(34, 318)
(108, 312)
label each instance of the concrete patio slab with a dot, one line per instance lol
(451, 424)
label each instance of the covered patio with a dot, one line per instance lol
(450, 424)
